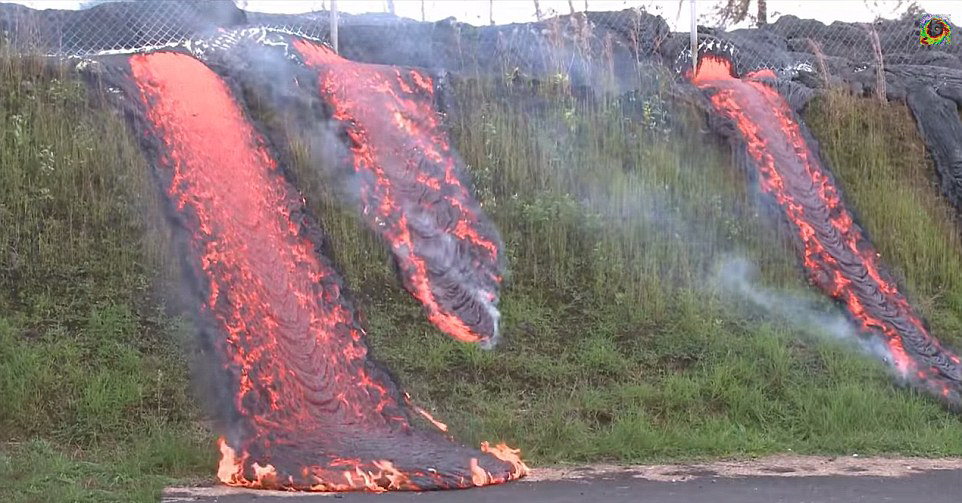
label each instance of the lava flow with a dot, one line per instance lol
(836, 254)
(308, 408)
(447, 252)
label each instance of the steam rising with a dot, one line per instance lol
(374, 133)
(303, 405)
(835, 253)
(737, 275)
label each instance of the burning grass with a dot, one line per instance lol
(612, 349)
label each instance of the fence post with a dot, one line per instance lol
(333, 17)
(694, 39)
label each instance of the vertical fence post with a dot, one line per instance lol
(694, 39)
(334, 25)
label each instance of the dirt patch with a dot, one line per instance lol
(773, 466)
(193, 494)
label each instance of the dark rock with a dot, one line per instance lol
(115, 25)
(952, 92)
(938, 121)
(927, 57)
(632, 47)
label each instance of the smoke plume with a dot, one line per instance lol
(835, 252)
(303, 405)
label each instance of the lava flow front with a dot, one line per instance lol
(836, 254)
(309, 409)
(447, 252)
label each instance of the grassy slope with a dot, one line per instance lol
(86, 362)
(616, 344)
(614, 348)
(893, 187)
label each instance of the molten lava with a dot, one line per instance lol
(447, 252)
(309, 409)
(836, 254)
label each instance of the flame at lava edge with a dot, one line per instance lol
(230, 471)
(231, 467)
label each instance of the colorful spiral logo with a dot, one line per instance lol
(935, 30)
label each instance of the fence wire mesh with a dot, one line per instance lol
(136, 25)
(128, 26)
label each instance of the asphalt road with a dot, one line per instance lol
(941, 486)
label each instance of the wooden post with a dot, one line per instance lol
(694, 39)
(334, 25)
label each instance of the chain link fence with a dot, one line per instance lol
(118, 26)
(883, 41)
(114, 26)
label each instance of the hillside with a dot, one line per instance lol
(618, 343)
(654, 303)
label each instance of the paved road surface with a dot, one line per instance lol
(941, 486)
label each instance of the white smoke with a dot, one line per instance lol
(738, 276)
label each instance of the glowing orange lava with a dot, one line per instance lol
(410, 190)
(836, 254)
(311, 410)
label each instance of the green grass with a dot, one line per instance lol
(894, 189)
(44, 471)
(93, 373)
(618, 344)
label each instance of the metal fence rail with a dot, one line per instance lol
(137, 25)
(128, 26)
